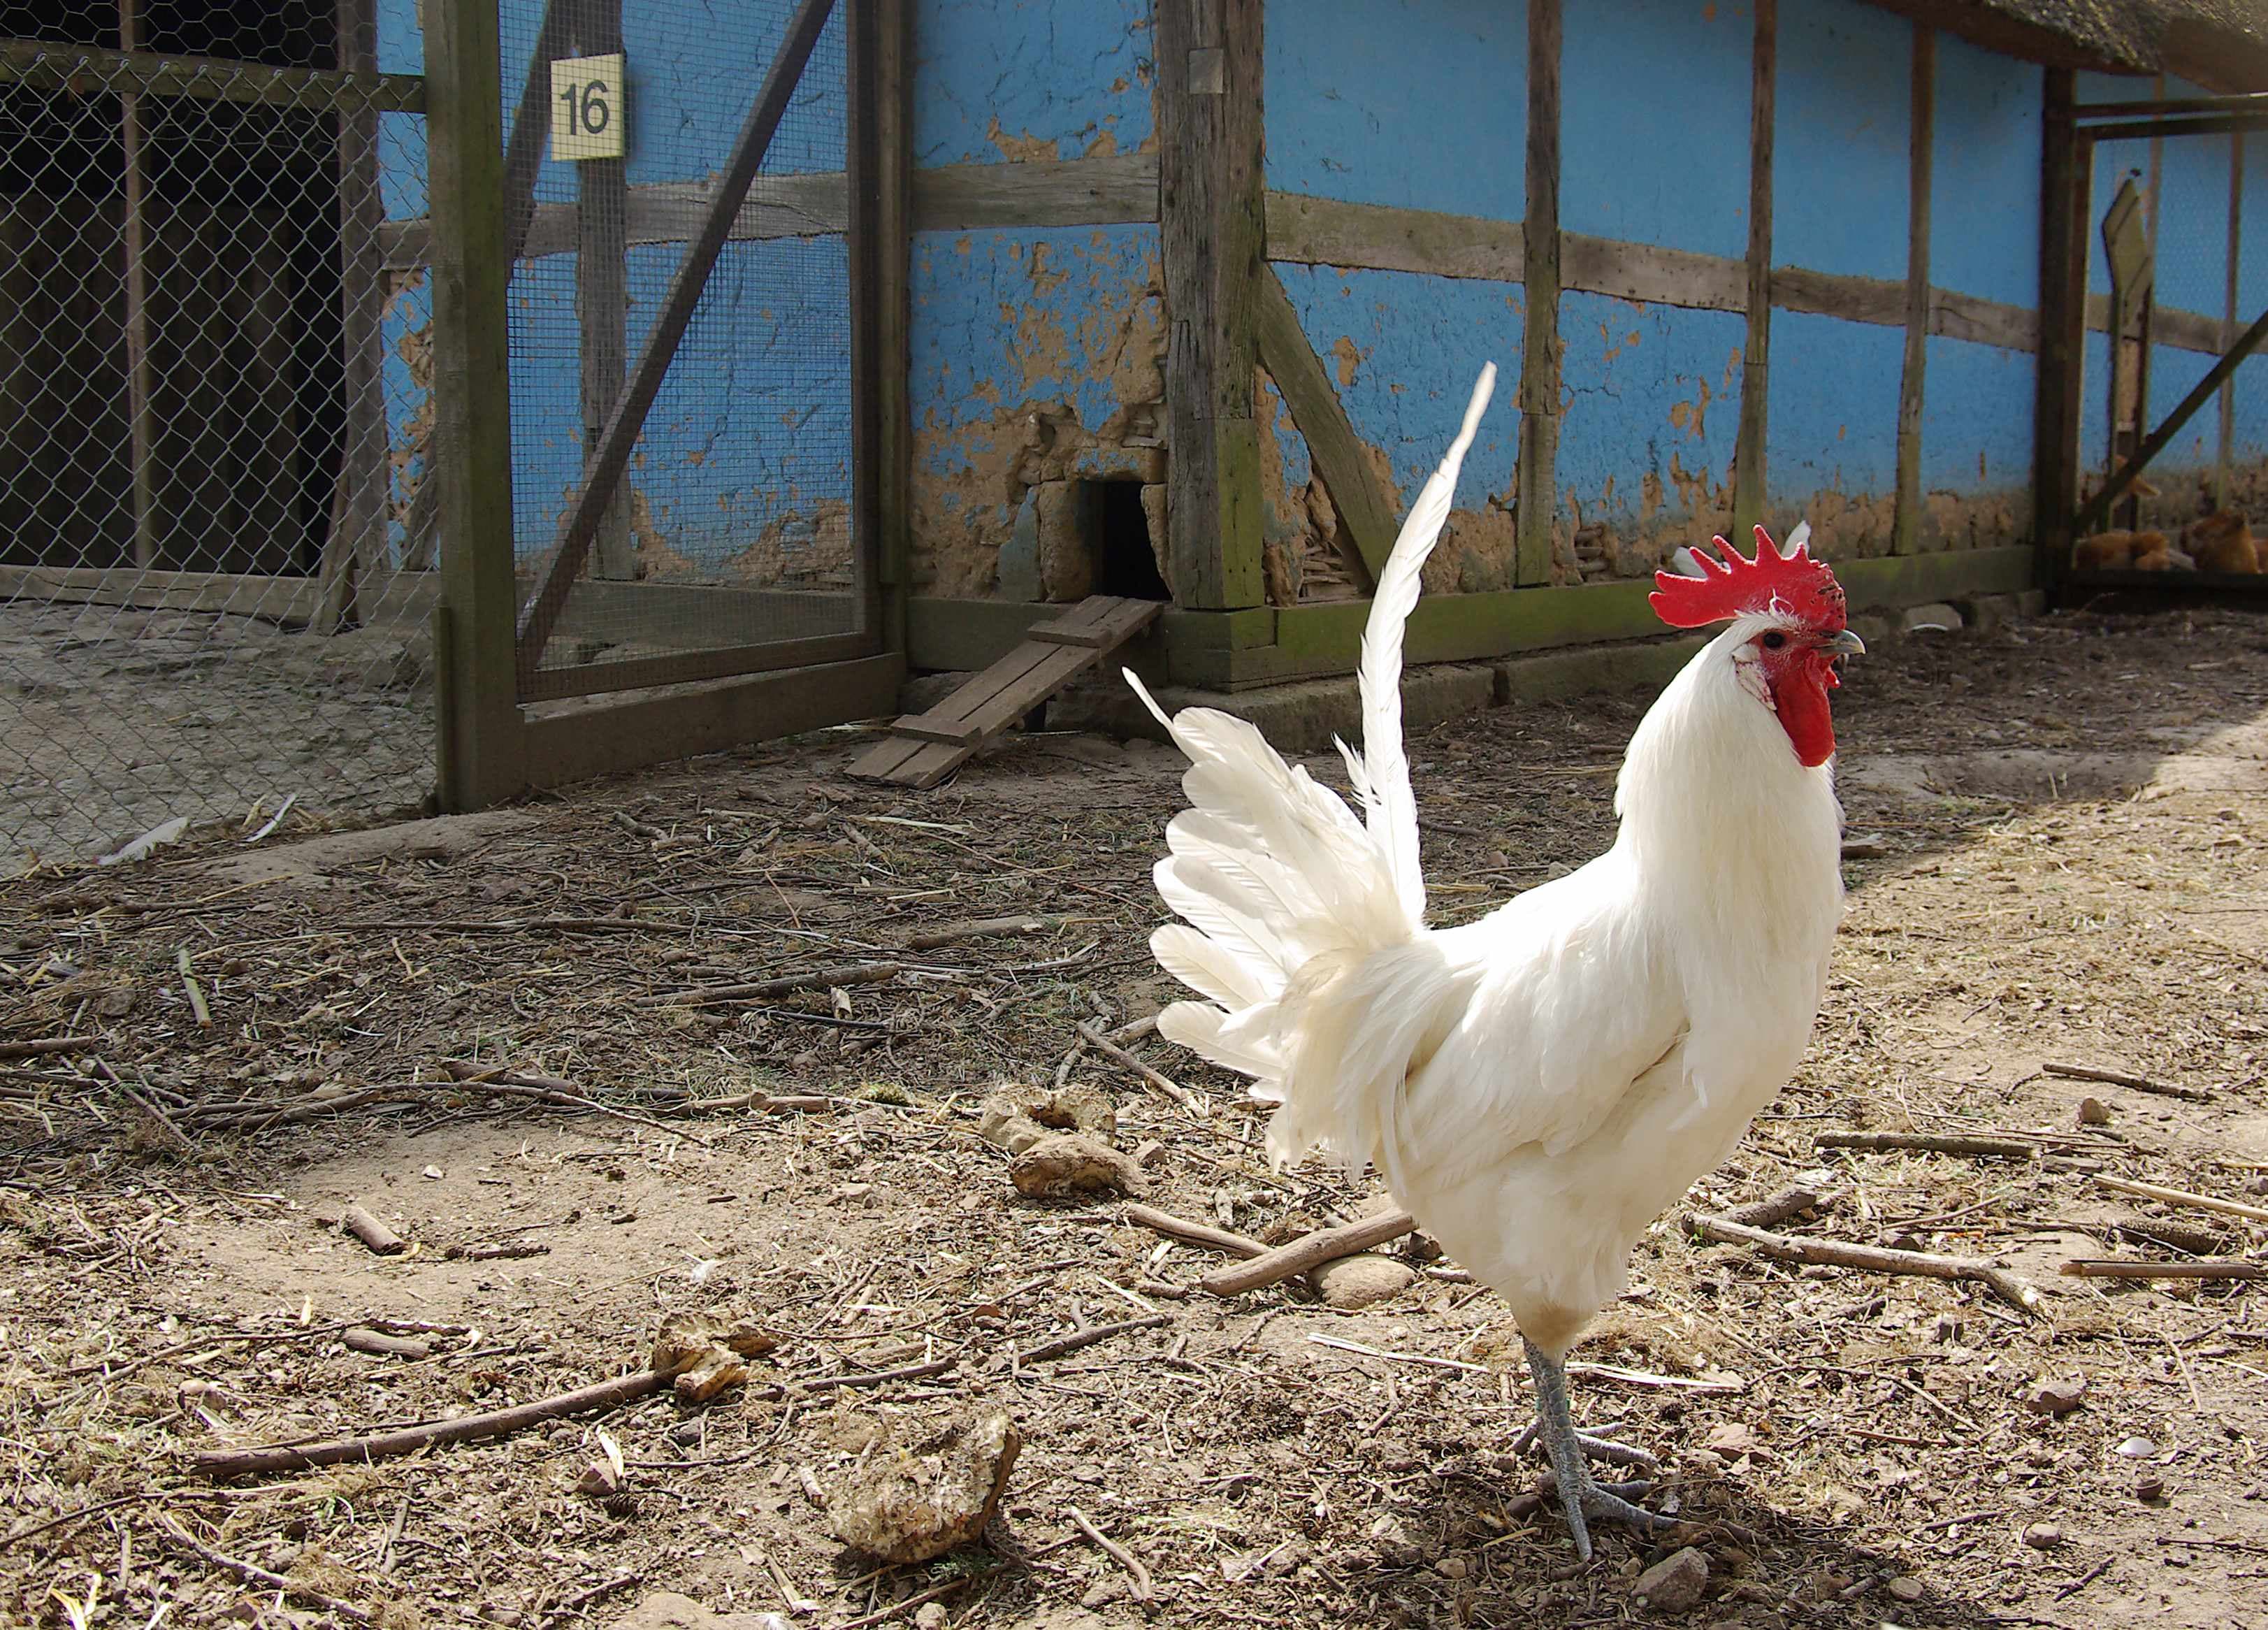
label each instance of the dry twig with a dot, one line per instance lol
(1309, 1252)
(1872, 1258)
(1197, 1233)
(1928, 1143)
(1089, 1337)
(1172, 1089)
(2183, 1197)
(1142, 1589)
(2126, 1268)
(2119, 1078)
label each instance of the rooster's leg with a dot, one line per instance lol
(1581, 1498)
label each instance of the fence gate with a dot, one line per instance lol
(690, 218)
(207, 448)
(2149, 331)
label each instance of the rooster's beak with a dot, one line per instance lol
(1844, 643)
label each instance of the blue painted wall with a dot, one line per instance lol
(1841, 139)
(1831, 452)
(1985, 172)
(1418, 103)
(1654, 123)
(1009, 79)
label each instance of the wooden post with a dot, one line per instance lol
(1539, 336)
(1748, 472)
(355, 545)
(881, 164)
(2221, 460)
(2066, 161)
(602, 290)
(1209, 207)
(142, 419)
(479, 712)
(1906, 526)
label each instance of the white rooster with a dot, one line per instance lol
(1538, 1086)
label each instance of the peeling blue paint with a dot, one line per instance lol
(1418, 343)
(1418, 103)
(1077, 76)
(1654, 123)
(1006, 317)
(1649, 391)
(1840, 140)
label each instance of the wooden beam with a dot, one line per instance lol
(886, 79)
(1117, 188)
(1341, 459)
(75, 70)
(1329, 232)
(602, 290)
(1921, 134)
(2223, 458)
(1658, 276)
(477, 711)
(604, 473)
(141, 415)
(2066, 166)
(576, 741)
(1538, 499)
(1209, 205)
(1748, 472)
(355, 549)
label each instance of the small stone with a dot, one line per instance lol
(2094, 1112)
(1675, 1583)
(2044, 1535)
(1359, 1280)
(1937, 617)
(1453, 1567)
(910, 1503)
(2149, 1487)
(1906, 1587)
(2059, 1396)
(929, 1616)
(435, 1174)
(1066, 1164)
(1103, 1592)
(2136, 1448)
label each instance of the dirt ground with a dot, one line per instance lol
(2057, 833)
(114, 720)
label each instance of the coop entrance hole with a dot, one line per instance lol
(1118, 538)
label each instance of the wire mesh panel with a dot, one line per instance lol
(728, 544)
(212, 390)
(2165, 300)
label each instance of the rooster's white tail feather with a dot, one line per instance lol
(1283, 894)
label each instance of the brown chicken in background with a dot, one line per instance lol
(2122, 551)
(2223, 541)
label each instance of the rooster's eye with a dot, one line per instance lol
(1773, 640)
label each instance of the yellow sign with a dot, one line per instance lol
(588, 116)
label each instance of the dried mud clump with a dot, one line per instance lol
(907, 1504)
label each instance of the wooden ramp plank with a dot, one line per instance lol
(924, 749)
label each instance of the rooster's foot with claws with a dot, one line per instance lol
(1596, 1448)
(1580, 1497)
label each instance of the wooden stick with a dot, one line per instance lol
(2125, 1268)
(2119, 1078)
(1089, 1337)
(45, 1044)
(382, 1240)
(1793, 1201)
(885, 1614)
(869, 1378)
(1173, 1090)
(253, 1573)
(217, 1463)
(2182, 1196)
(1310, 1250)
(551, 1090)
(1197, 1233)
(378, 1343)
(1927, 1142)
(954, 933)
(1872, 1258)
(817, 979)
(1142, 1589)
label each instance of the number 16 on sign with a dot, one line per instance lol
(586, 108)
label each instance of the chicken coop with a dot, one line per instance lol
(499, 392)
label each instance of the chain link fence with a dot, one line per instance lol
(215, 566)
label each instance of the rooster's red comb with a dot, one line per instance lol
(1737, 585)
